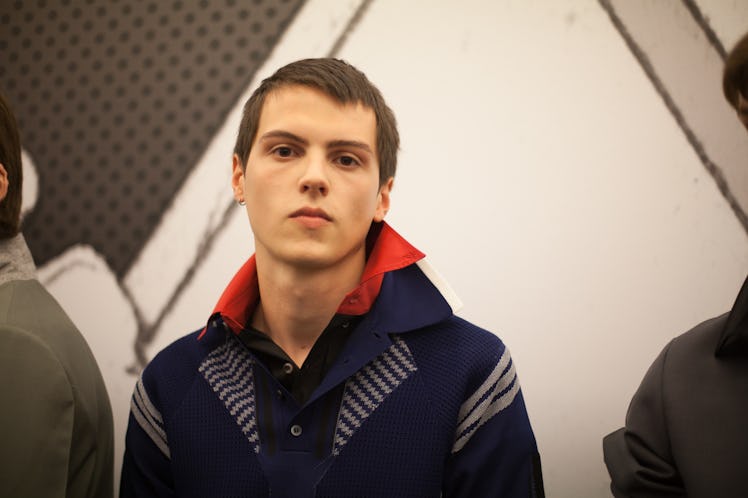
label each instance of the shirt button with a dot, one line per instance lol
(287, 368)
(296, 430)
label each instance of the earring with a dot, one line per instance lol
(242, 202)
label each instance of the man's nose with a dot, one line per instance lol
(314, 175)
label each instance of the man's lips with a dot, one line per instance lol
(311, 218)
(308, 212)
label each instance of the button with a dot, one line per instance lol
(296, 430)
(288, 368)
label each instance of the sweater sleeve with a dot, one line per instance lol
(36, 421)
(494, 454)
(146, 467)
(638, 456)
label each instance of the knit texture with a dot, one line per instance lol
(418, 403)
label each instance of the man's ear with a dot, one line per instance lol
(237, 179)
(383, 200)
(4, 184)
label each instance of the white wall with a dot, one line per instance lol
(541, 173)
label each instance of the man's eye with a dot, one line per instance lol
(283, 151)
(348, 161)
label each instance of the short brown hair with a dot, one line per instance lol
(735, 78)
(10, 157)
(339, 80)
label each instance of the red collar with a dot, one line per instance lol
(388, 252)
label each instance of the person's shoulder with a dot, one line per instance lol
(21, 285)
(18, 340)
(459, 347)
(29, 310)
(26, 289)
(464, 337)
(690, 354)
(185, 353)
(699, 341)
(24, 301)
(33, 363)
(459, 364)
(170, 374)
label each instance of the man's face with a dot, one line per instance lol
(742, 109)
(311, 182)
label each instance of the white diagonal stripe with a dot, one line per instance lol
(497, 406)
(146, 401)
(138, 402)
(483, 406)
(441, 285)
(149, 429)
(487, 385)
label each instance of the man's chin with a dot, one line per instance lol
(318, 257)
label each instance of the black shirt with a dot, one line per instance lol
(301, 381)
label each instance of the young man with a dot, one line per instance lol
(685, 428)
(333, 364)
(56, 422)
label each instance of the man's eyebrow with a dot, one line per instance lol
(283, 134)
(351, 143)
(331, 144)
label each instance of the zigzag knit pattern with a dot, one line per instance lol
(229, 370)
(371, 385)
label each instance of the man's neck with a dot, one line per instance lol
(296, 304)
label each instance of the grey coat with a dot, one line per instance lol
(686, 429)
(55, 421)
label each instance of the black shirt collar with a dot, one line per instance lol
(302, 380)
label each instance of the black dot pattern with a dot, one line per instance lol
(117, 99)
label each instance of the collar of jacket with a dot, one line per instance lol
(16, 262)
(387, 251)
(734, 339)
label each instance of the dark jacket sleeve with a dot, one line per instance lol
(146, 467)
(494, 453)
(638, 456)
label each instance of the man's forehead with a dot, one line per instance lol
(289, 89)
(289, 104)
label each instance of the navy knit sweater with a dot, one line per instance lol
(419, 403)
